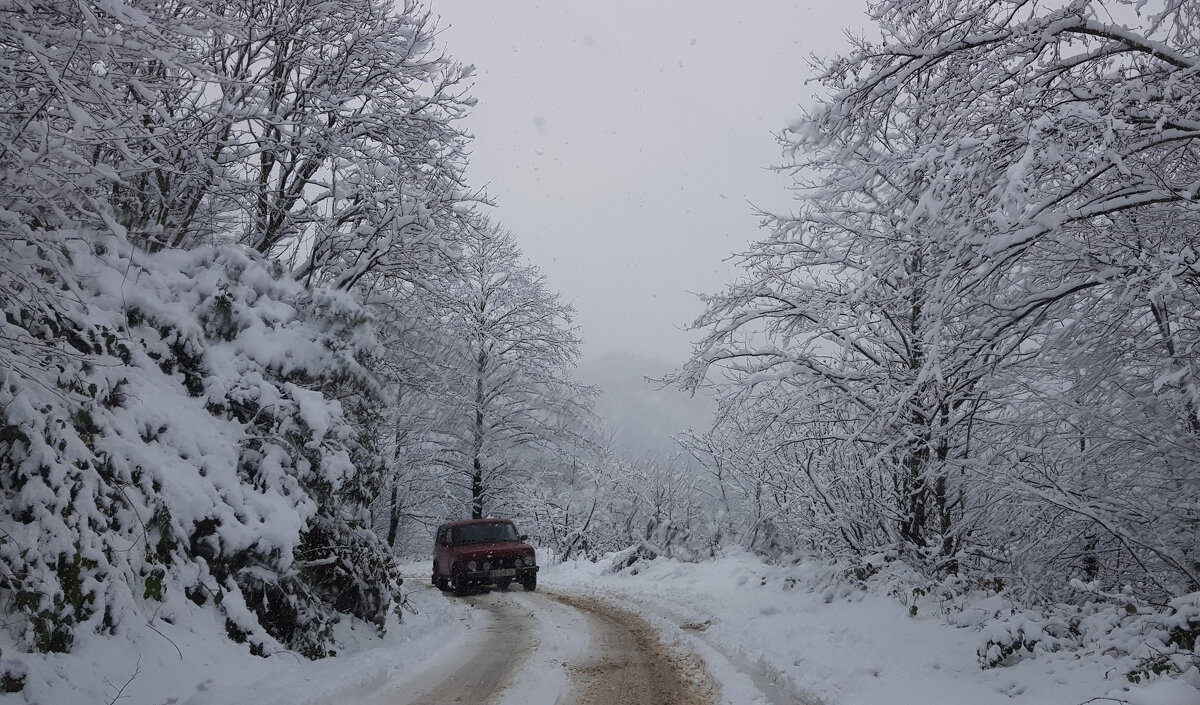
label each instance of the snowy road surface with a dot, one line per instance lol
(541, 648)
(561, 645)
(732, 631)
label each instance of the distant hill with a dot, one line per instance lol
(642, 416)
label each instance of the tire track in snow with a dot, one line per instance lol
(744, 681)
(628, 663)
(501, 647)
(538, 649)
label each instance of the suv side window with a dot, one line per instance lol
(441, 536)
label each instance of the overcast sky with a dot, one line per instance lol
(624, 142)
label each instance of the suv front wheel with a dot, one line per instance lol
(458, 584)
(529, 582)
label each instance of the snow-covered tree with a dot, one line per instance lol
(515, 347)
(338, 137)
(179, 416)
(985, 297)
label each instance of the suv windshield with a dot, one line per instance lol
(483, 533)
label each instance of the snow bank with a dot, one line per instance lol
(833, 642)
(184, 656)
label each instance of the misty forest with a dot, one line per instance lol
(261, 335)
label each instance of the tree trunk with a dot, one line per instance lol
(477, 491)
(477, 487)
(393, 520)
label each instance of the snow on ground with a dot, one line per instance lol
(562, 637)
(807, 638)
(192, 662)
(769, 633)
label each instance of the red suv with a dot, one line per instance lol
(481, 552)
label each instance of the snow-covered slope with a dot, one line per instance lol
(182, 655)
(181, 451)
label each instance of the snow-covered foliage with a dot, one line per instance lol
(184, 407)
(320, 133)
(973, 343)
(490, 414)
(972, 347)
(180, 654)
(599, 503)
(517, 345)
(191, 429)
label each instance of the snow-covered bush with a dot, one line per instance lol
(186, 425)
(1144, 641)
(1156, 641)
(1024, 633)
(195, 422)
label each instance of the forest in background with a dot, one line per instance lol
(260, 333)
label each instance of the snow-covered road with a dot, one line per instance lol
(535, 648)
(488, 666)
(550, 647)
